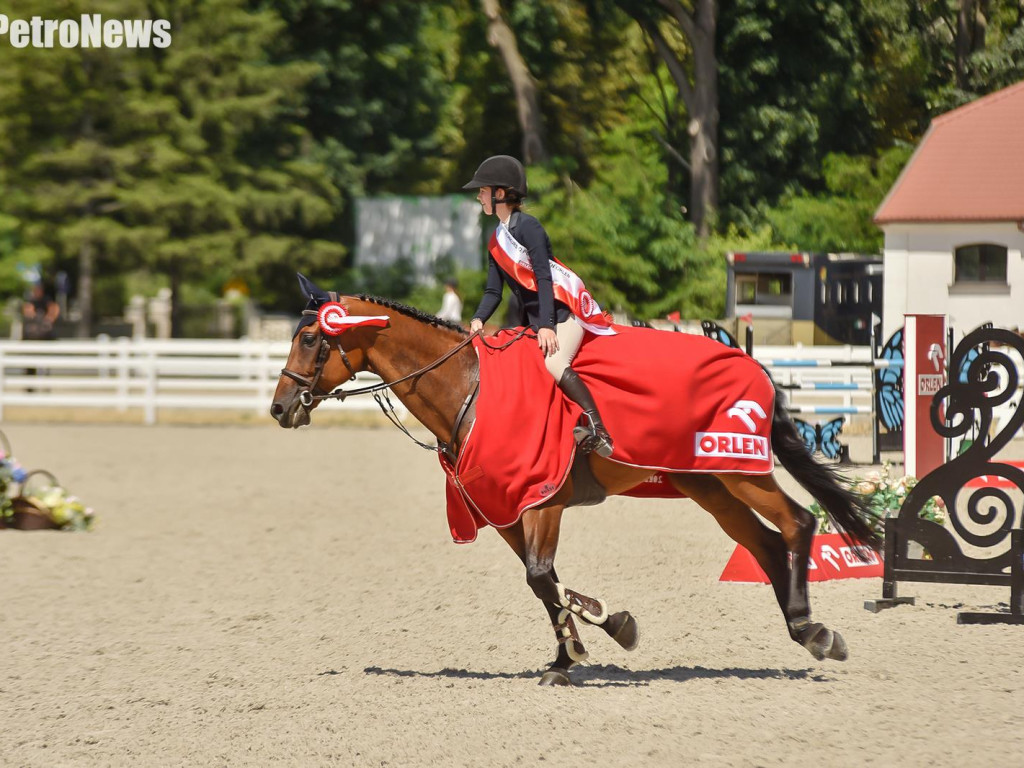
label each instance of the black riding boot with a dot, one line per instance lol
(597, 439)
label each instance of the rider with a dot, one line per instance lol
(520, 255)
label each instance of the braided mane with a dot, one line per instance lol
(416, 314)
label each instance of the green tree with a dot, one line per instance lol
(384, 80)
(629, 241)
(683, 33)
(840, 219)
(792, 83)
(190, 160)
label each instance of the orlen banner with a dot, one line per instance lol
(831, 558)
(924, 352)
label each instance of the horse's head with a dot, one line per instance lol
(317, 362)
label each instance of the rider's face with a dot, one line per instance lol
(484, 198)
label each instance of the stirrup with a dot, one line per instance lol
(589, 441)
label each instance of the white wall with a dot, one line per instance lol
(919, 276)
(421, 229)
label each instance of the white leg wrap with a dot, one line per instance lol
(578, 655)
(579, 610)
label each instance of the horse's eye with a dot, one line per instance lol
(308, 339)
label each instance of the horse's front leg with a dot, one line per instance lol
(537, 552)
(535, 540)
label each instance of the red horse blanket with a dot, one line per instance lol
(673, 402)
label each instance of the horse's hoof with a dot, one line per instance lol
(623, 629)
(839, 650)
(823, 643)
(555, 677)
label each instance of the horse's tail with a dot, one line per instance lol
(846, 510)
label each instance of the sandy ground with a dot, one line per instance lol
(257, 597)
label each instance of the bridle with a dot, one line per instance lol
(313, 393)
(312, 390)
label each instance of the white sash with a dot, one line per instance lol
(568, 288)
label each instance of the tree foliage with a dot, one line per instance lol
(235, 154)
(187, 161)
(840, 219)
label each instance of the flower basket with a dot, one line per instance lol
(27, 511)
(35, 501)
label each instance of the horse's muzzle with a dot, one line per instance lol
(291, 416)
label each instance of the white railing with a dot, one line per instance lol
(241, 375)
(158, 375)
(151, 375)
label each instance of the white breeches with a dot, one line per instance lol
(570, 336)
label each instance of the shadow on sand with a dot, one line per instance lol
(603, 675)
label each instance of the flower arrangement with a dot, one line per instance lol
(884, 495)
(10, 472)
(51, 500)
(66, 511)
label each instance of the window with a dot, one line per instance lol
(980, 263)
(746, 289)
(765, 288)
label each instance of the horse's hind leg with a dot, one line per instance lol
(743, 527)
(796, 526)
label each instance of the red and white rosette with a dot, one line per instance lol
(335, 319)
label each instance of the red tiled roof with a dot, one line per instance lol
(968, 167)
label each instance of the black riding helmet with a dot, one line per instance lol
(500, 171)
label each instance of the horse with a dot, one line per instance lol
(431, 367)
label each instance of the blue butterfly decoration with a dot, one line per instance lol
(889, 385)
(973, 354)
(822, 437)
(714, 331)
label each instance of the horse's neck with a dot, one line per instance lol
(436, 396)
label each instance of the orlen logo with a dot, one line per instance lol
(732, 445)
(587, 304)
(742, 409)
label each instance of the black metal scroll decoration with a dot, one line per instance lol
(990, 520)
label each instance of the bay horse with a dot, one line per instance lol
(432, 368)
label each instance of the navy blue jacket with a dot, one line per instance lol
(540, 307)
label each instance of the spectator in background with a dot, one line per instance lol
(39, 312)
(451, 304)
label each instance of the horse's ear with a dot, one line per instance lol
(308, 288)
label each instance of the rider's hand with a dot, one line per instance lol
(547, 341)
(476, 325)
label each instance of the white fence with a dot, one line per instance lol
(150, 375)
(822, 391)
(158, 375)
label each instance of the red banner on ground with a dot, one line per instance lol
(831, 558)
(995, 481)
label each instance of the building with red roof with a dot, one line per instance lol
(954, 219)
